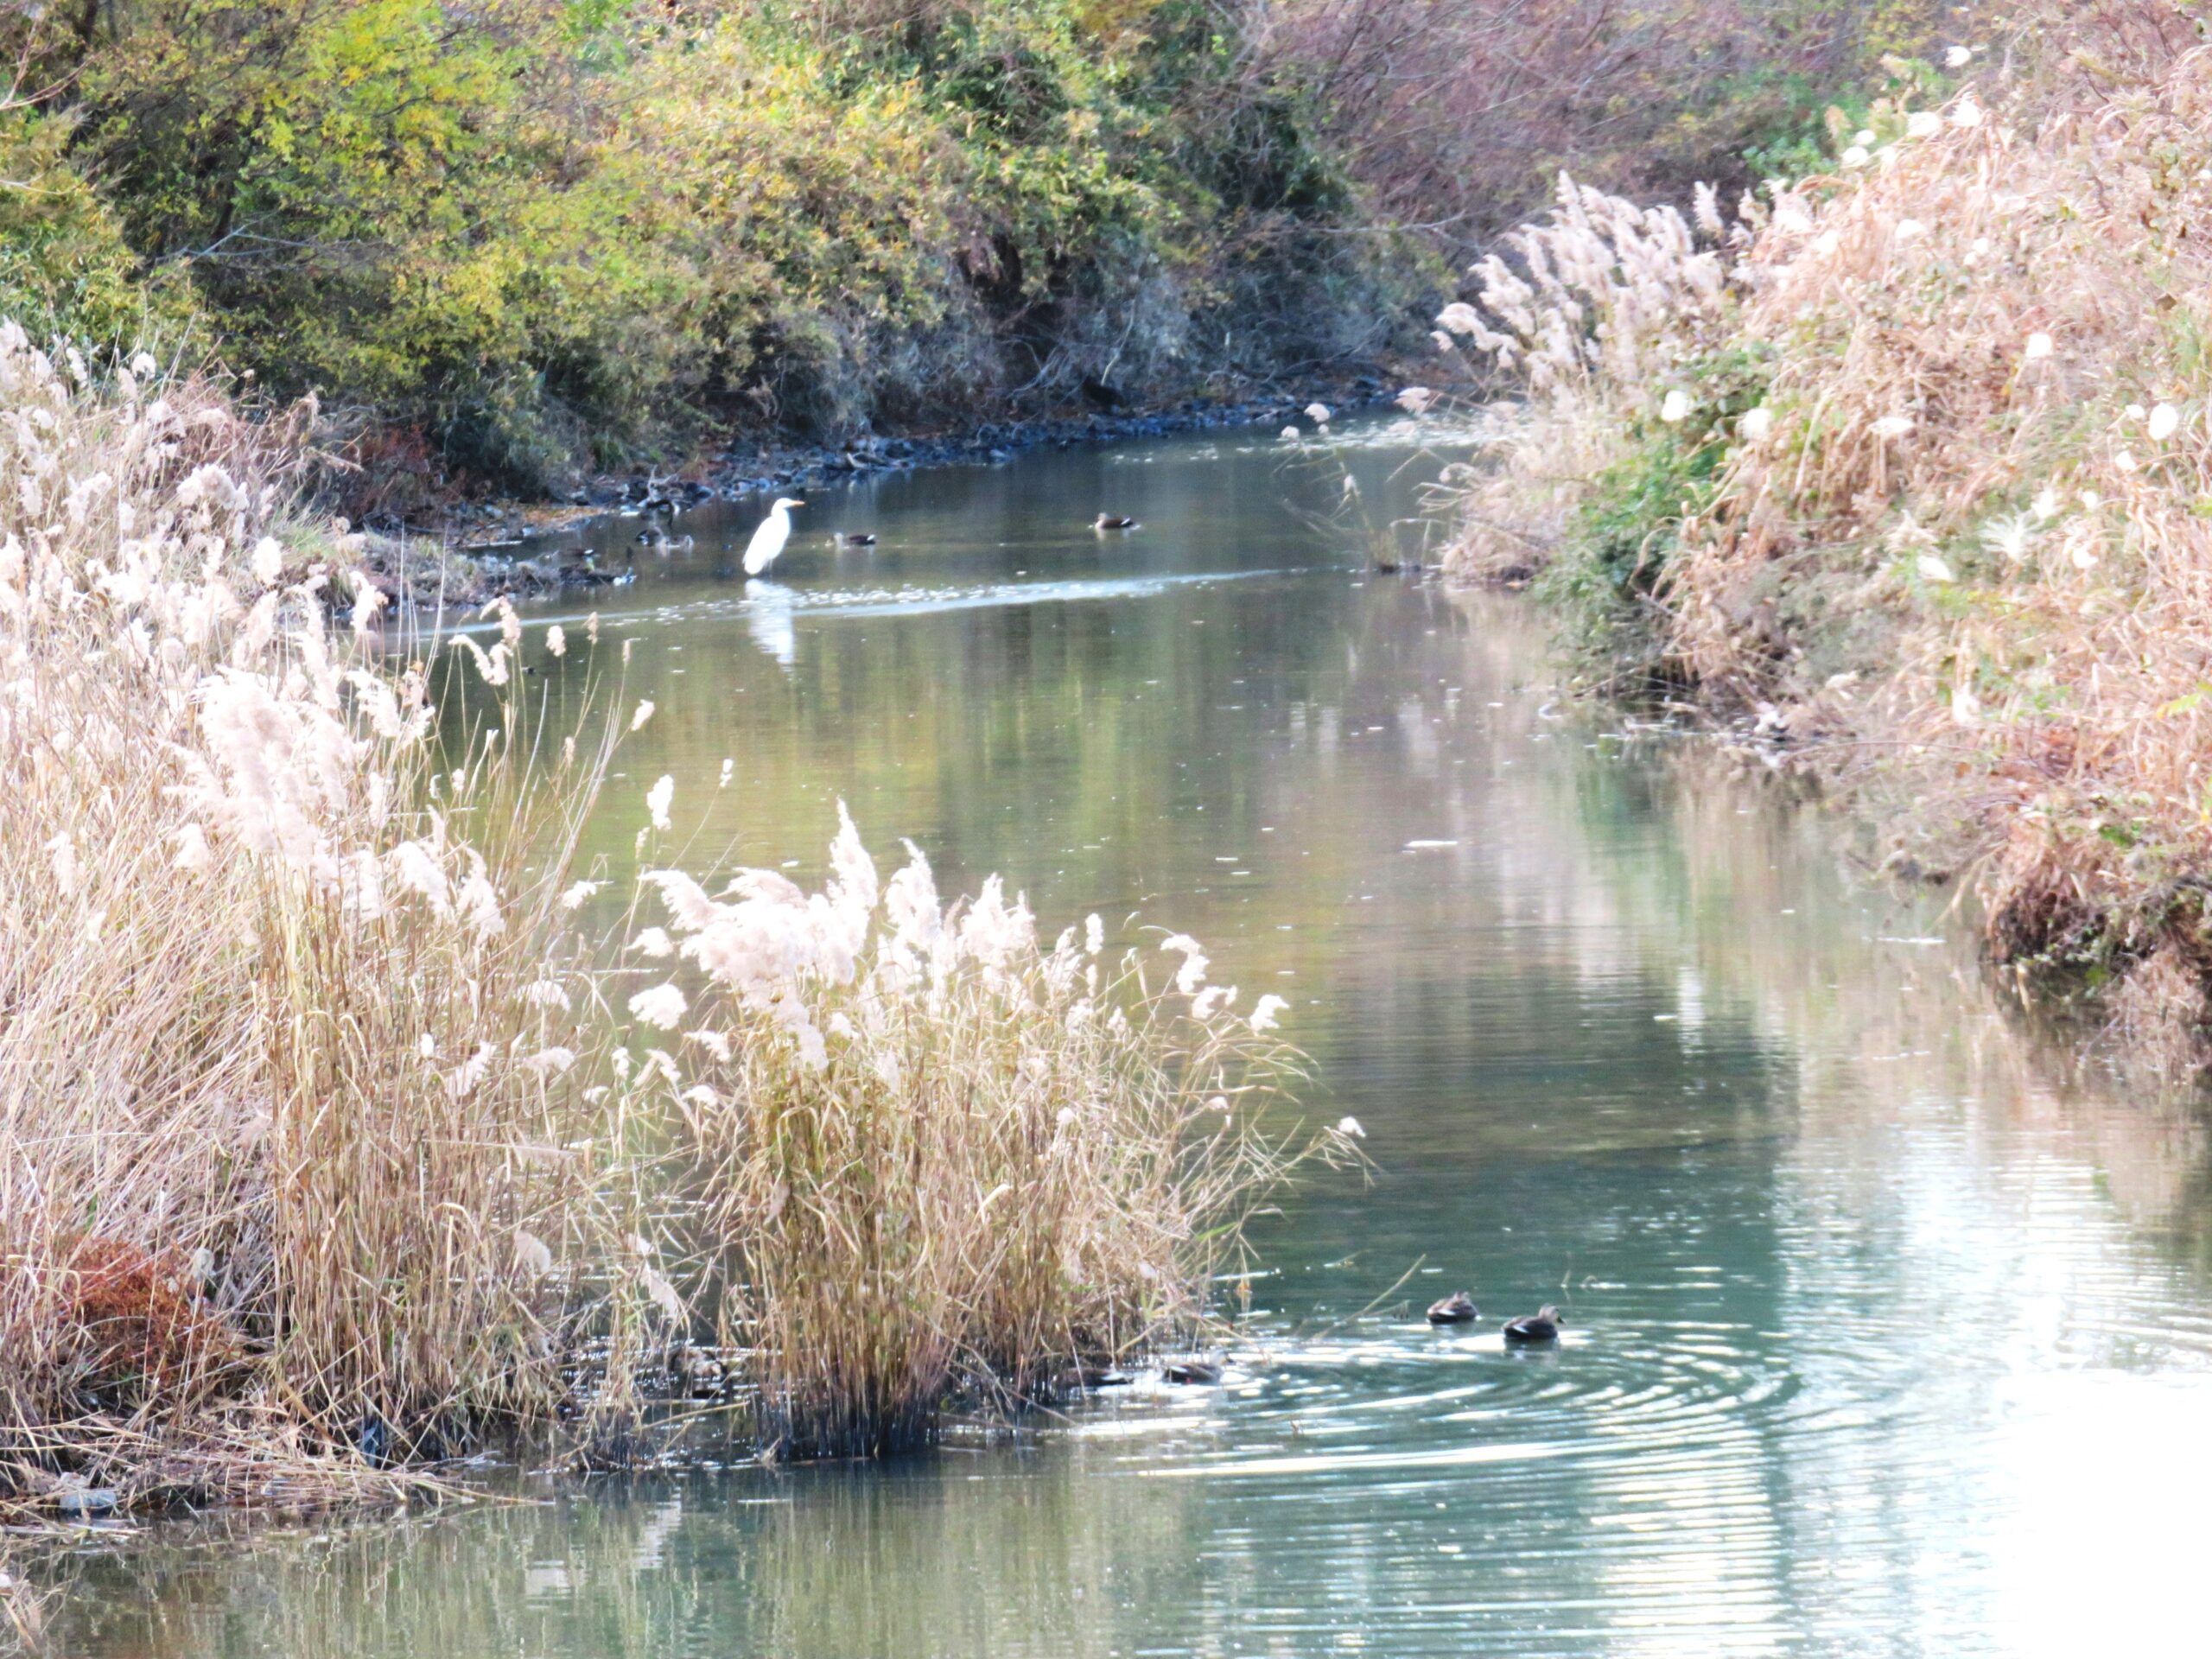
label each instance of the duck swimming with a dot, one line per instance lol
(852, 538)
(1457, 1308)
(1532, 1328)
(1113, 521)
(1202, 1373)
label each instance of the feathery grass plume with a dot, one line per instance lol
(272, 1132)
(1601, 298)
(1601, 311)
(942, 1159)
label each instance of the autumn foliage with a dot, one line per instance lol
(1907, 469)
(547, 236)
(527, 239)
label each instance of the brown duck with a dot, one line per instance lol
(1457, 1308)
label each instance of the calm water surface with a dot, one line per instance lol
(1886, 1338)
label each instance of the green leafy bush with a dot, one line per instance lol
(66, 269)
(546, 234)
(522, 237)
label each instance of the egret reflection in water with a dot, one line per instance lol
(768, 619)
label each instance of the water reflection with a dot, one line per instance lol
(768, 620)
(1888, 1335)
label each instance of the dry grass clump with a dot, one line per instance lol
(320, 1149)
(1597, 309)
(1988, 432)
(289, 1116)
(25, 1610)
(942, 1159)
(1951, 415)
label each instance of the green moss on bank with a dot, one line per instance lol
(1607, 576)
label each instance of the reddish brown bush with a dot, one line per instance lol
(1458, 114)
(140, 1331)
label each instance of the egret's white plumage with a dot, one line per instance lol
(768, 540)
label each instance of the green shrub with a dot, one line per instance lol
(1611, 574)
(527, 236)
(545, 234)
(65, 269)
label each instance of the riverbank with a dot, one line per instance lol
(863, 217)
(513, 249)
(1901, 469)
(469, 554)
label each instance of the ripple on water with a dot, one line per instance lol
(781, 601)
(1393, 1398)
(1430, 1468)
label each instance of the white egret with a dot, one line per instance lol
(768, 540)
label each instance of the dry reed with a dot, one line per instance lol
(278, 1132)
(322, 1149)
(941, 1159)
(1956, 551)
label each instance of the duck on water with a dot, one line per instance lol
(1457, 1308)
(1527, 1331)
(1531, 1329)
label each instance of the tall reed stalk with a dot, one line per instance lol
(1920, 487)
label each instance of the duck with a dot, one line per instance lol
(1113, 521)
(661, 542)
(769, 538)
(586, 573)
(1533, 1328)
(1200, 1372)
(852, 538)
(1089, 1378)
(1457, 1308)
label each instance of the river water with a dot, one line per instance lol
(1890, 1333)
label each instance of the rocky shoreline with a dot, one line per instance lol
(472, 555)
